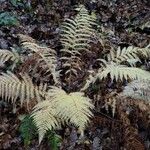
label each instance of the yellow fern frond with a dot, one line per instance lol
(11, 88)
(123, 72)
(45, 118)
(72, 108)
(77, 32)
(123, 55)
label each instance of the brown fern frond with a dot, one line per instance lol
(47, 60)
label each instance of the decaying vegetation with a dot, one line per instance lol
(84, 94)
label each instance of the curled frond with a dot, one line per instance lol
(72, 108)
(12, 88)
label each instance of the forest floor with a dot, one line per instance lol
(125, 22)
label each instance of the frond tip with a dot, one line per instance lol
(59, 106)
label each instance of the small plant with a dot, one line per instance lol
(54, 140)
(27, 130)
(8, 19)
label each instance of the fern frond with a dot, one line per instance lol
(122, 55)
(25, 38)
(76, 32)
(76, 37)
(73, 108)
(123, 72)
(6, 55)
(138, 90)
(11, 88)
(47, 60)
(45, 118)
(129, 54)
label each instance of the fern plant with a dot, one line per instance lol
(76, 38)
(27, 130)
(54, 106)
(59, 107)
(121, 65)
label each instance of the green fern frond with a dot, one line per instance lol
(72, 108)
(11, 88)
(123, 72)
(27, 130)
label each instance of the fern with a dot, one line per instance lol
(112, 65)
(123, 72)
(11, 88)
(6, 55)
(76, 32)
(73, 108)
(54, 140)
(137, 90)
(47, 58)
(75, 38)
(27, 129)
(129, 54)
